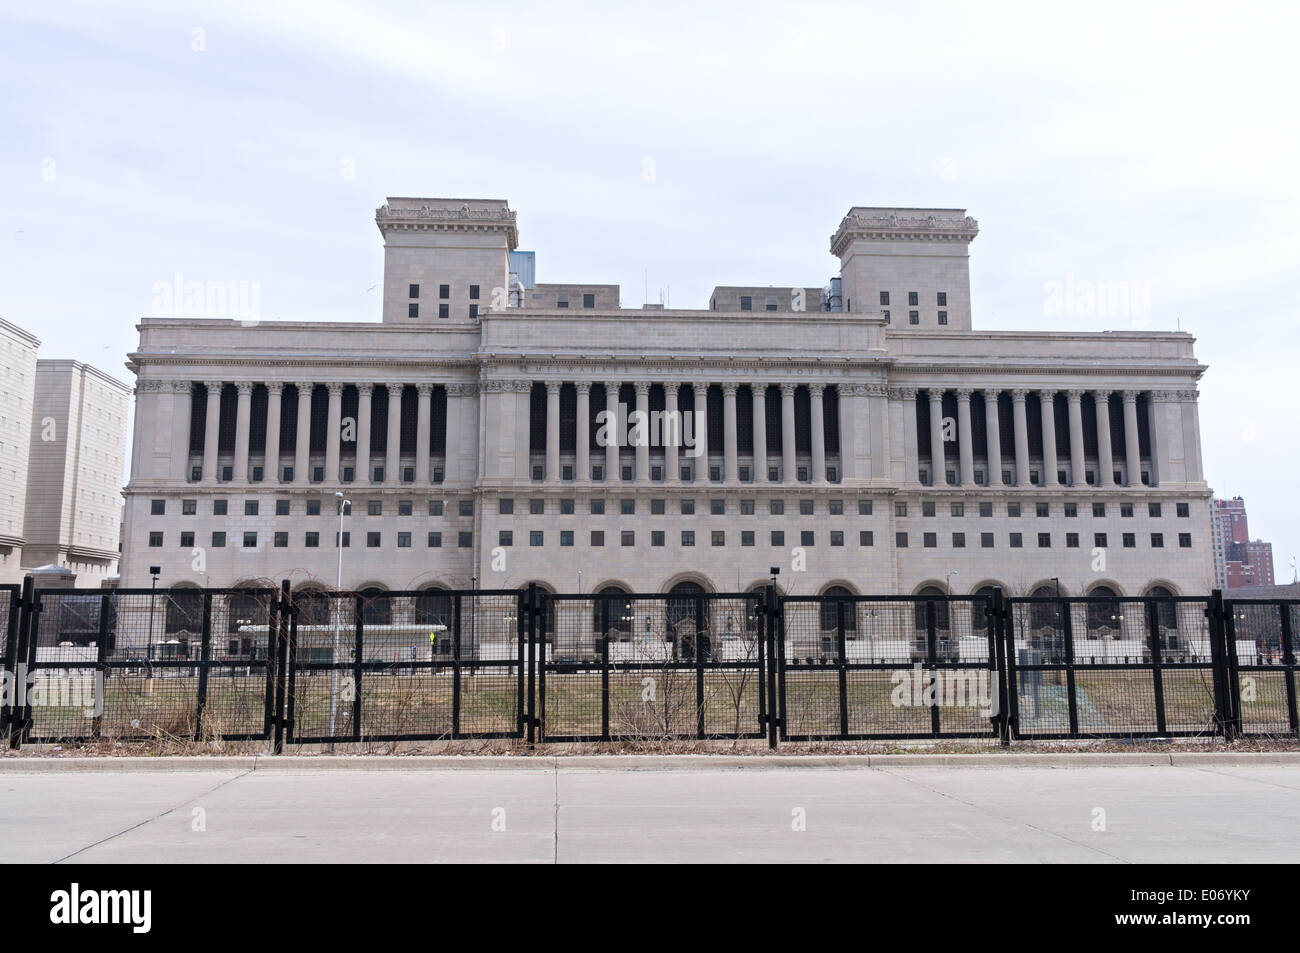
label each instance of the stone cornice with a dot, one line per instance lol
(890, 226)
(464, 218)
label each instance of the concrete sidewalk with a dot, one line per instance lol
(1081, 808)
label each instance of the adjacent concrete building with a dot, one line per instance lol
(859, 433)
(17, 390)
(1239, 561)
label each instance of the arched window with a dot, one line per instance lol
(1104, 617)
(682, 622)
(433, 607)
(184, 611)
(1166, 608)
(313, 607)
(376, 607)
(612, 614)
(940, 610)
(831, 610)
(246, 608)
(542, 593)
(1044, 615)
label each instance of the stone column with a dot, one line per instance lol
(552, 431)
(211, 431)
(702, 437)
(643, 445)
(365, 395)
(965, 444)
(393, 453)
(1105, 462)
(760, 433)
(1132, 449)
(905, 433)
(672, 463)
(730, 451)
(271, 461)
(334, 433)
(424, 413)
(993, 436)
(612, 474)
(1078, 465)
(817, 421)
(243, 424)
(302, 452)
(1020, 422)
(451, 452)
(789, 473)
(938, 466)
(1048, 408)
(582, 470)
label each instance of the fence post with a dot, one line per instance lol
(1222, 633)
(1149, 608)
(1288, 662)
(1001, 724)
(205, 653)
(284, 613)
(699, 666)
(25, 655)
(11, 661)
(1071, 688)
(457, 617)
(534, 688)
(101, 664)
(843, 666)
(932, 653)
(770, 675)
(603, 635)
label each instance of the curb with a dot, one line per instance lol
(289, 764)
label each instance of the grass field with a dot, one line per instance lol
(656, 702)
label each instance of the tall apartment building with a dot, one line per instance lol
(74, 493)
(17, 390)
(1239, 561)
(860, 434)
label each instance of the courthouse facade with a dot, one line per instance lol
(862, 435)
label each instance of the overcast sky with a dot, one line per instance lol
(684, 146)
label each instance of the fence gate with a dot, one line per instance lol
(418, 665)
(616, 665)
(882, 667)
(1113, 667)
(1261, 662)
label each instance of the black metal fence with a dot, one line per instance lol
(320, 667)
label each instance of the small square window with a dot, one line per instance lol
(866, 538)
(444, 291)
(348, 474)
(778, 537)
(776, 507)
(589, 300)
(986, 509)
(536, 537)
(835, 507)
(746, 507)
(656, 507)
(1126, 509)
(928, 508)
(1042, 509)
(374, 507)
(561, 300)
(157, 507)
(837, 537)
(900, 509)
(627, 474)
(805, 507)
(155, 540)
(250, 540)
(717, 507)
(1044, 540)
(598, 537)
(473, 312)
(719, 537)
(1071, 509)
(187, 540)
(435, 507)
(627, 507)
(1098, 509)
(250, 507)
(466, 507)
(746, 303)
(1013, 509)
(218, 540)
(405, 508)
(372, 540)
(715, 474)
(1071, 540)
(281, 507)
(657, 537)
(930, 540)
(900, 541)
(1130, 540)
(597, 507)
(412, 310)
(744, 475)
(941, 299)
(1185, 540)
(473, 292)
(688, 507)
(1099, 540)
(505, 506)
(913, 298)
(627, 538)
(435, 540)
(189, 507)
(943, 317)
(566, 537)
(957, 509)
(914, 317)
(537, 507)
(408, 474)
(505, 537)
(802, 474)
(403, 540)
(566, 473)
(1157, 540)
(311, 540)
(566, 507)
(1017, 541)
(986, 540)
(281, 540)
(465, 539)
(1153, 510)
(313, 507)
(884, 298)
(227, 474)
(1183, 510)
(444, 311)
(688, 537)
(413, 291)
(747, 537)
(378, 476)
(958, 540)
(864, 507)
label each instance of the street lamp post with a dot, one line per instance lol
(154, 571)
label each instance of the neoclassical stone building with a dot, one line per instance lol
(863, 436)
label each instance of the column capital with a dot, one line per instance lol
(1101, 396)
(816, 390)
(553, 387)
(334, 387)
(365, 389)
(244, 387)
(274, 387)
(729, 389)
(787, 389)
(701, 386)
(903, 393)
(391, 386)
(460, 389)
(642, 388)
(305, 386)
(991, 393)
(1130, 396)
(612, 386)
(582, 387)
(424, 389)
(963, 393)
(214, 386)
(1074, 396)
(1046, 394)
(1019, 394)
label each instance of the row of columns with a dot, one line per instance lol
(730, 430)
(334, 430)
(1020, 422)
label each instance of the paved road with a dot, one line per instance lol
(571, 811)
